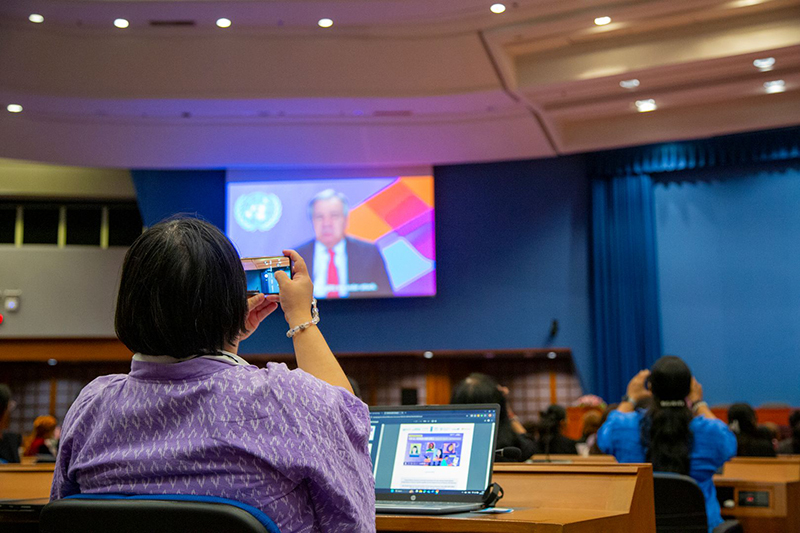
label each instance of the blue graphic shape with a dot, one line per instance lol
(257, 211)
(404, 263)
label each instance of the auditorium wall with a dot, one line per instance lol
(729, 268)
(512, 256)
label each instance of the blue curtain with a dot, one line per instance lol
(627, 324)
(729, 150)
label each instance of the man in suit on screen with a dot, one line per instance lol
(341, 266)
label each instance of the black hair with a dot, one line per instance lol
(744, 418)
(665, 429)
(5, 398)
(355, 387)
(550, 425)
(183, 291)
(480, 388)
(751, 440)
(794, 425)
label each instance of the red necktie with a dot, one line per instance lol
(333, 275)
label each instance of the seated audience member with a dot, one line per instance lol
(670, 435)
(193, 417)
(591, 422)
(480, 388)
(10, 443)
(41, 441)
(752, 440)
(551, 423)
(610, 408)
(792, 444)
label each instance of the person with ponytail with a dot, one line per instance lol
(753, 440)
(791, 445)
(551, 424)
(678, 433)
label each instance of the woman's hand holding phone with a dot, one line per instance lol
(259, 307)
(295, 293)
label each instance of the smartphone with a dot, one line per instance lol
(260, 272)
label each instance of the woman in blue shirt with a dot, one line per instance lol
(670, 435)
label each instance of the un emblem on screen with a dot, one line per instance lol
(257, 211)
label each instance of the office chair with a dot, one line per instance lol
(681, 506)
(172, 513)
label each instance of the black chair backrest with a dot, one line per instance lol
(680, 504)
(140, 516)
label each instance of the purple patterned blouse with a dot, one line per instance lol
(280, 440)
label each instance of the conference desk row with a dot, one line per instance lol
(588, 495)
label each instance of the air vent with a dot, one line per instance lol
(172, 23)
(393, 113)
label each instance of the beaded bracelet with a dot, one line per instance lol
(314, 320)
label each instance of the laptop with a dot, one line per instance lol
(434, 459)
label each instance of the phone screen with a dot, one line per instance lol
(260, 272)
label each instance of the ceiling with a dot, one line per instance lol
(404, 82)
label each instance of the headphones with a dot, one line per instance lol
(494, 493)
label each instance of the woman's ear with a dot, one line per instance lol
(649, 385)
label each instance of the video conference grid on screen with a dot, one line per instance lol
(431, 452)
(360, 237)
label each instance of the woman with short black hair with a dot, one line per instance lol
(193, 417)
(677, 433)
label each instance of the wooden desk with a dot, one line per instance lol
(547, 498)
(25, 481)
(572, 459)
(775, 480)
(550, 498)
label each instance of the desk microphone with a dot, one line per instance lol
(509, 452)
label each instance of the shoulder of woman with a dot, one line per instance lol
(701, 424)
(618, 418)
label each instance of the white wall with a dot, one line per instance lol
(68, 292)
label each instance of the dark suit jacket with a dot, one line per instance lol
(9, 446)
(364, 265)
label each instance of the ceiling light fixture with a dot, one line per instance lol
(36, 18)
(629, 84)
(774, 86)
(121, 23)
(224, 23)
(497, 8)
(602, 21)
(643, 106)
(325, 23)
(764, 64)
(14, 108)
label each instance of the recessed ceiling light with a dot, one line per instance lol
(497, 8)
(36, 18)
(121, 23)
(602, 21)
(325, 23)
(629, 84)
(224, 23)
(765, 63)
(774, 86)
(14, 108)
(643, 106)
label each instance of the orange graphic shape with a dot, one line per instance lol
(422, 186)
(389, 199)
(366, 224)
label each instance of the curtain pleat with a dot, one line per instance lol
(627, 324)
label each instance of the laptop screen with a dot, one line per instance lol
(441, 452)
